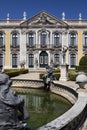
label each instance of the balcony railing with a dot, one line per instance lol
(14, 46)
(31, 46)
(72, 45)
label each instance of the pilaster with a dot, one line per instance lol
(80, 46)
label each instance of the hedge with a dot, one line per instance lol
(15, 72)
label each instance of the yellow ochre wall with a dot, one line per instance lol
(79, 45)
(7, 59)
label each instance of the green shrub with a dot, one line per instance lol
(56, 70)
(23, 71)
(72, 74)
(83, 61)
(12, 73)
(15, 72)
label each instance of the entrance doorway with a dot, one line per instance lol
(43, 59)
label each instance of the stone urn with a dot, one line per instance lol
(81, 79)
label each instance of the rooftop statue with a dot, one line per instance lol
(12, 109)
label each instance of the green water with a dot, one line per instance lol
(44, 107)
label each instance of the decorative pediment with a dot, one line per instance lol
(43, 18)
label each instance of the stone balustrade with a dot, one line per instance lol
(70, 120)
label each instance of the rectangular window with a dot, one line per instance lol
(31, 60)
(73, 39)
(14, 60)
(85, 40)
(14, 40)
(1, 60)
(1, 40)
(73, 60)
(31, 40)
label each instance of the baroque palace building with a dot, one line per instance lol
(38, 41)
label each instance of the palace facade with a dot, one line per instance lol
(38, 41)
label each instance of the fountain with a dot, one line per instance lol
(12, 108)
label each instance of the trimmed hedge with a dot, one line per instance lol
(72, 74)
(15, 72)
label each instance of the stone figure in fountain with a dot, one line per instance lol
(48, 77)
(64, 50)
(12, 110)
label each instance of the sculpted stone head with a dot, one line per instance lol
(3, 78)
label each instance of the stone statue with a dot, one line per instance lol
(64, 50)
(12, 110)
(48, 77)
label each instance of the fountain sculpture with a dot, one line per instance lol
(47, 78)
(12, 109)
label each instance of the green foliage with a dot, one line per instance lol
(15, 72)
(82, 64)
(72, 74)
(81, 68)
(83, 61)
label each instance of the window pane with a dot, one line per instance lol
(73, 60)
(43, 38)
(1, 60)
(31, 58)
(1, 39)
(56, 39)
(14, 39)
(31, 39)
(14, 60)
(73, 39)
(56, 59)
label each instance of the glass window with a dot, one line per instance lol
(56, 39)
(56, 59)
(1, 60)
(31, 39)
(14, 39)
(43, 38)
(31, 60)
(72, 39)
(1, 39)
(73, 60)
(14, 60)
(85, 39)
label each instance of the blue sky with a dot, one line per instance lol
(72, 8)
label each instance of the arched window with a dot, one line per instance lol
(43, 38)
(15, 39)
(72, 39)
(72, 60)
(30, 39)
(57, 39)
(1, 39)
